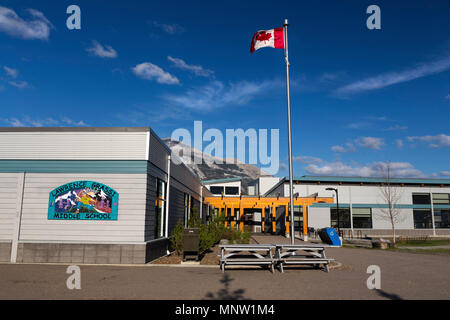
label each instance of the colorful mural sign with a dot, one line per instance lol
(83, 200)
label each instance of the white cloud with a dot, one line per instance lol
(307, 159)
(197, 70)
(102, 51)
(445, 173)
(348, 147)
(438, 141)
(447, 96)
(375, 169)
(370, 142)
(43, 122)
(391, 78)
(396, 127)
(358, 125)
(19, 84)
(364, 142)
(13, 73)
(338, 149)
(327, 76)
(149, 71)
(169, 28)
(399, 143)
(73, 123)
(12, 122)
(36, 28)
(216, 94)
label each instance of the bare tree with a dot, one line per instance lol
(391, 196)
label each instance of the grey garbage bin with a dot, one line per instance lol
(191, 241)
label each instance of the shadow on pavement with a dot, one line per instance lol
(391, 296)
(224, 293)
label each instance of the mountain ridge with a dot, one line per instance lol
(209, 167)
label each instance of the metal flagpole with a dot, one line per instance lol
(291, 193)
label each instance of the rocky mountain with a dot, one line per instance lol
(211, 167)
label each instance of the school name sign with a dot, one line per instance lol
(83, 200)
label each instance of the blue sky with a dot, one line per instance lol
(359, 97)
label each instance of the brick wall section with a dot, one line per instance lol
(82, 253)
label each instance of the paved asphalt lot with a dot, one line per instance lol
(403, 276)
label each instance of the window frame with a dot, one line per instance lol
(355, 215)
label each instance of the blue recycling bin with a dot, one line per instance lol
(330, 237)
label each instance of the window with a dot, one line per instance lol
(362, 218)
(441, 198)
(187, 206)
(298, 218)
(344, 218)
(422, 219)
(160, 208)
(232, 190)
(442, 218)
(216, 190)
(421, 198)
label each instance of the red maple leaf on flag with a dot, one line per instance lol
(264, 36)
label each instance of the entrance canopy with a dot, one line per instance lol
(248, 202)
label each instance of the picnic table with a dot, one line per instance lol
(246, 254)
(295, 254)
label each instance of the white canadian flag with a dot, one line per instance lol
(273, 38)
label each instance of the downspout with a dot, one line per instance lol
(351, 209)
(432, 214)
(201, 202)
(166, 231)
(167, 198)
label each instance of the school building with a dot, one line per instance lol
(92, 195)
(114, 195)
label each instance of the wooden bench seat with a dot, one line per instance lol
(246, 255)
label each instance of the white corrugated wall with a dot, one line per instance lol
(129, 227)
(8, 204)
(73, 145)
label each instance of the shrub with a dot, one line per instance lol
(236, 236)
(209, 234)
(177, 237)
(194, 218)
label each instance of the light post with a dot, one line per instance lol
(337, 207)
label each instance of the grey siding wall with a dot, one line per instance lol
(176, 208)
(182, 175)
(73, 145)
(129, 227)
(8, 204)
(279, 189)
(158, 152)
(150, 208)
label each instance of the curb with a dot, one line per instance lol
(112, 265)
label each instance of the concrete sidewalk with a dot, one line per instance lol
(403, 276)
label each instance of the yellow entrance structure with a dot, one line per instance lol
(247, 202)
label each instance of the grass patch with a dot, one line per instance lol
(426, 251)
(423, 243)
